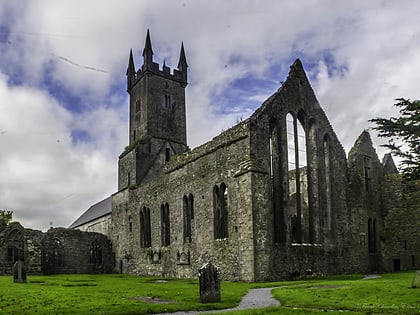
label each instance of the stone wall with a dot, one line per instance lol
(59, 250)
(401, 211)
(222, 161)
(74, 251)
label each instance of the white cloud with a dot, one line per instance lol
(360, 55)
(46, 176)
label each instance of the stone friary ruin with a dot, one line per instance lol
(274, 197)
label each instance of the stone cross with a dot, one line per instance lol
(208, 276)
(19, 272)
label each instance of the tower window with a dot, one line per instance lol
(168, 101)
(137, 106)
(167, 155)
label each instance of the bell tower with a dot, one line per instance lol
(157, 98)
(156, 116)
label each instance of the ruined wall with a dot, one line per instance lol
(281, 250)
(363, 245)
(218, 162)
(74, 251)
(401, 233)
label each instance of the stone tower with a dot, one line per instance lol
(157, 117)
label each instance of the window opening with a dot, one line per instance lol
(165, 225)
(298, 179)
(367, 169)
(167, 154)
(130, 223)
(145, 228)
(167, 101)
(220, 196)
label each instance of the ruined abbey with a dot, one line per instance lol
(274, 197)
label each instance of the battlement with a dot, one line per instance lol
(165, 71)
(151, 67)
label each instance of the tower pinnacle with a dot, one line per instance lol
(147, 51)
(182, 64)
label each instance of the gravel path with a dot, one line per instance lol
(255, 298)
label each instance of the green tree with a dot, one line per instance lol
(6, 215)
(404, 136)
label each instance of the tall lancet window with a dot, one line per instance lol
(298, 179)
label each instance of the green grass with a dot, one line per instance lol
(390, 294)
(107, 294)
(124, 294)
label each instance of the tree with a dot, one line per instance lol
(404, 136)
(6, 215)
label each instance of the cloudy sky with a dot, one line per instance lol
(63, 104)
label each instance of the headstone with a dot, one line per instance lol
(416, 280)
(19, 272)
(208, 276)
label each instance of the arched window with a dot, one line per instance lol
(188, 210)
(220, 197)
(95, 253)
(145, 228)
(15, 246)
(165, 225)
(298, 178)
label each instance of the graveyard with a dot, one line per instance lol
(127, 294)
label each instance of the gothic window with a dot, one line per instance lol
(220, 211)
(137, 106)
(188, 209)
(15, 248)
(130, 223)
(165, 225)
(372, 236)
(95, 253)
(298, 178)
(145, 228)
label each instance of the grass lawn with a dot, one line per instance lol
(124, 294)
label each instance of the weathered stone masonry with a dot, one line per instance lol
(273, 197)
(59, 250)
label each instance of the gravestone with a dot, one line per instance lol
(19, 272)
(416, 280)
(208, 276)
